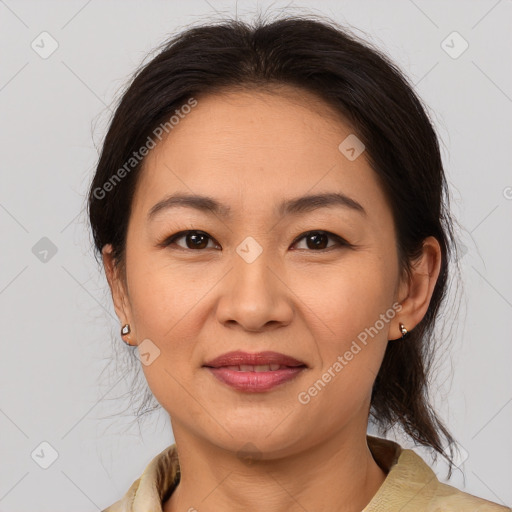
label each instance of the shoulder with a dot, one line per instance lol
(448, 498)
(411, 485)
(159, 478)
(428, 494)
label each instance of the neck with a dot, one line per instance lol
(338, 474)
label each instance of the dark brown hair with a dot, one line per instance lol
(359, 83)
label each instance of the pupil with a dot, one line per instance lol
(197, 242)
(317, 239)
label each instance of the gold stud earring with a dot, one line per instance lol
(403, 330)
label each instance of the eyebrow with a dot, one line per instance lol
(293, 206)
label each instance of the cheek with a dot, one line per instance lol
(348, 298)
(351, 339)
(352, 314)
(162, 295)
(168, 309)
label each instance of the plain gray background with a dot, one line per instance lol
(56, 318)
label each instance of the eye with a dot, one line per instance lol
(317, 240)
(196, 240)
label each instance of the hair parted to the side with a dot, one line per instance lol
(363, 86)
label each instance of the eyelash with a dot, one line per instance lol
(340, 241)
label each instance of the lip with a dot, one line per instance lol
(254, 381)
(239, 357)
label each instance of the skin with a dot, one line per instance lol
(250, 150)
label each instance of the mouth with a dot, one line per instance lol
(255, 368)
(257, 372)
(258, 361)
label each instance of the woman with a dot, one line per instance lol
(271, 211)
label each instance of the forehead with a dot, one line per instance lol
(252, 147)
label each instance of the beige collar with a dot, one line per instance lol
(410, 484)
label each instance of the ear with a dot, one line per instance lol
(416, 290)
(117, 285)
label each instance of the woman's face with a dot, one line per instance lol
(254, 280)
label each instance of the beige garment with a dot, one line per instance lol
(410, 485)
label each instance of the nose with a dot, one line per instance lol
(255, 296)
